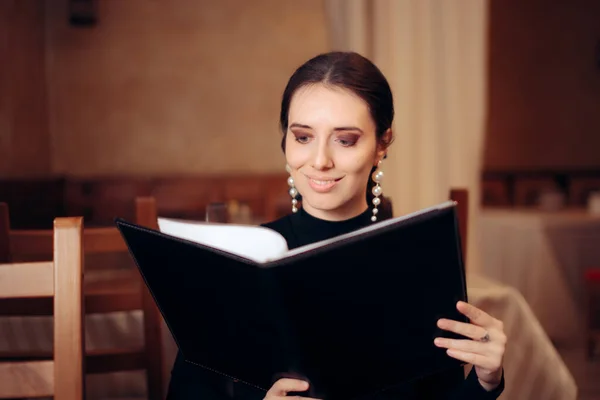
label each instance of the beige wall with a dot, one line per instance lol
(186, 86)
(190, 86)
(24, 139)
(544, 99)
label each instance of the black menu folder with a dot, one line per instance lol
(352, 315)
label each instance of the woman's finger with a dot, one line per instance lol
(285, 385)
(469, 346)
(469, 330)
(270, 397)
(478, 360)
(477, 316)
(484, 349)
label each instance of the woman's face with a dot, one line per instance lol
(331, 147)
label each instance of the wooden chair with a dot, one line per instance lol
(61, 279)
(592, 289)
(581, 188)
(496, 192)
(527, 190)
(461, 196)
(107, 290)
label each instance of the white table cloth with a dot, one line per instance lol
(543, 255)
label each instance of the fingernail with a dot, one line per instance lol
(438, 341)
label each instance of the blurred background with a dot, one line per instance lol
(106, 101)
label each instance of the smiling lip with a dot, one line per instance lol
(322, 185)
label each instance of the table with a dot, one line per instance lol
(543, 256)
(533, 367)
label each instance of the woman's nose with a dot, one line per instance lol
(322, 159)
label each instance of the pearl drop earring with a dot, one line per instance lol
(293, 191)
(377, 177)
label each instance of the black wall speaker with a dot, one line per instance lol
(83, 13)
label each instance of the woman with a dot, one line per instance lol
(336, 118)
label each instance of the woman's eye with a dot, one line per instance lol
(302, 138)
(346, 142)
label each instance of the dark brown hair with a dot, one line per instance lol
(351, 71)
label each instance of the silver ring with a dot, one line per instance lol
(485, 338)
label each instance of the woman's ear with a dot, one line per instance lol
(382, 146)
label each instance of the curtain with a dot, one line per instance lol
(433, 53)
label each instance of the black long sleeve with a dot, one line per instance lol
(472, 389)
(190, 382)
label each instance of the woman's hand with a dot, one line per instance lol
(283, 386)
(484, 349)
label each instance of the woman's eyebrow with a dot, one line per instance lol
(348, 128)
(297, 125)
(339, 128)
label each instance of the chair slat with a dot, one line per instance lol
(27, 280)
(103, 240)
(27, 379)
(69, 346)
(25, 355)
(103, 361)
(97, 361)
(95, 303)
(40, 242)
(31, 242)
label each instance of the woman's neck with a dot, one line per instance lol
(346, 212)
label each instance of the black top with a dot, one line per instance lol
(190, 382)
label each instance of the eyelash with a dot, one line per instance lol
(299, 139)
(346, 142)
(303, 139)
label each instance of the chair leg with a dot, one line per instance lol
(590, 321)
(153, 344)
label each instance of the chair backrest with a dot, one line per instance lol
(102, 247)
(461, 196)
(126, 293)
(62, 278)
(4, 234)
